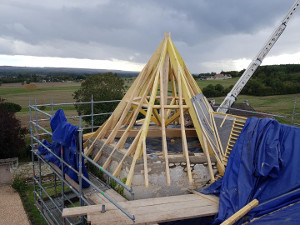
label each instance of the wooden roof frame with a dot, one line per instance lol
(165, 80)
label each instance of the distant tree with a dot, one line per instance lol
(12, 135)
(214, 91)
(106, 86)
(219, 88)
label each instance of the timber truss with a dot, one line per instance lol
(169, 100)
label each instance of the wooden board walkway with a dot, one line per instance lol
(149, 211)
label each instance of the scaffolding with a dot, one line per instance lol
(63, 192)
(295, 114)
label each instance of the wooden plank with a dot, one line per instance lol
(170, 200)
(157, 213)
(242, 212)
(211, 198)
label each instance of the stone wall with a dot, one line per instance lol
(156, 172)
(25, 171)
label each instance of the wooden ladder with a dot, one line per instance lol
(238, 125)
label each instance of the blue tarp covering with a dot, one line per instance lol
(288, 215)
(64, 137)
(265, 165)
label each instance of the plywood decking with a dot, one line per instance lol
(148, 211)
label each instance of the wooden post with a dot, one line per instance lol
(145, 164)
(163, 98)
(210, 169)
(183, 135)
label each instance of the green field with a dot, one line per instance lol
(62, 93)
(45, 92)
(225, 83)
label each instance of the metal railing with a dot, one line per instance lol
(295, 114)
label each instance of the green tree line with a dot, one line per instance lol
(267, 80)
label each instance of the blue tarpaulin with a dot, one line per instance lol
(265, 165)
(64, 137)
(287, 215)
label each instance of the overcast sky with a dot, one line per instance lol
(211, 35)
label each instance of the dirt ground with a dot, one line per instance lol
(11, 208)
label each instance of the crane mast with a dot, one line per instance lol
(232, 95)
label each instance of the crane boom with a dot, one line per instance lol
(232, 95)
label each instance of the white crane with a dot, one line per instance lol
(232, 95)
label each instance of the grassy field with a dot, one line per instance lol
(62, 92)
(225, 83)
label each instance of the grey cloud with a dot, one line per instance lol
(203, 30)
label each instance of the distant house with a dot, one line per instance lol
(205, 77)
(221, 76)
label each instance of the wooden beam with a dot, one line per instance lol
(153, 119)
(156, 132)
(130, 125)
(183, 136)
(131, 149)
(162, 113)
(165, 82)
(170, 106)
(174, 117)
(145, 164)
(183, 200)
(156, 115)
(119, 109)
(242, 212)
(170, 110)
(159, 106)
(138, 109)
(91, 147)
(210, 169)
(148, 117)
